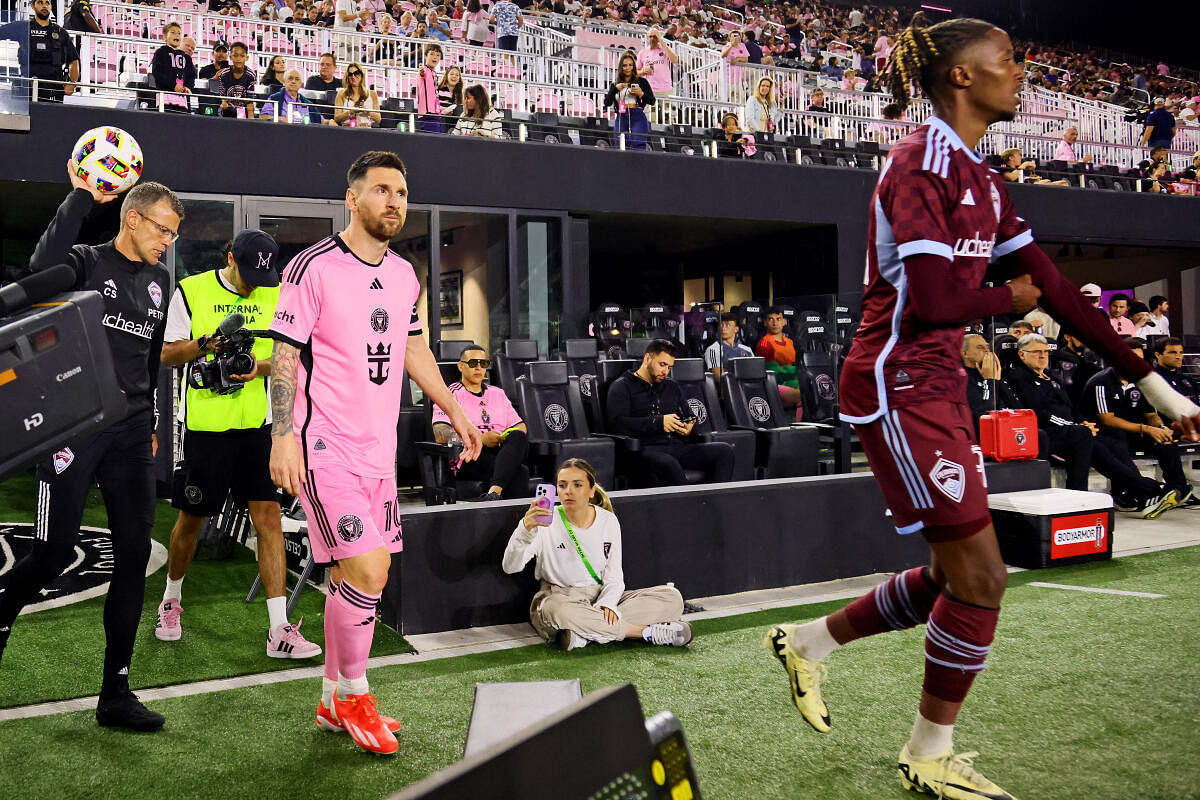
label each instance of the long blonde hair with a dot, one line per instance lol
(771, 101)
(599, 496)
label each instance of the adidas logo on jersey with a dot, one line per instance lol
(110, 288)
(124, 671)
(320, 445)
(375, 284)
(968, 199)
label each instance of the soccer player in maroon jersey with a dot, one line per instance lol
(941, 219)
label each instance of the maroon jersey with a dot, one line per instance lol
(935, 196)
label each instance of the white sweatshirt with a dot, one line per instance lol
(558, 562)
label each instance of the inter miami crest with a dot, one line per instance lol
(350, 528)
(556, 417)
(759, 409)
(698, 410)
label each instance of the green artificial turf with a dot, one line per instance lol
(1085, 695)
(58, 653)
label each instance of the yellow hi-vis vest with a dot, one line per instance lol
(209, 301)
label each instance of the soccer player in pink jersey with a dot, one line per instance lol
(347, 329)
(941, 219)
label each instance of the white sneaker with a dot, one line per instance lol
(671, 634)
(286, 641)
(570, 640)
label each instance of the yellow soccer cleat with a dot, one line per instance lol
(947, 775)
(805, 676)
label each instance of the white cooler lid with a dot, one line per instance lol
(1045, 502)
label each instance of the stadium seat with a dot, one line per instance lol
(636, 348)
(751, 398)
(596, 132)
(552, 408)
(394, 109)
(611, 326)
(750, 322)
(511, 363)
(450, 349)
(700, 391)
(686, 140)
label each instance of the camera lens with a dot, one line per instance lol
(241, 364)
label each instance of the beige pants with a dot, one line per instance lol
(556, 608)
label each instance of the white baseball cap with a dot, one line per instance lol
(1090, 289)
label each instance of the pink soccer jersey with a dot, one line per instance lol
(490, 410)
(351, 321)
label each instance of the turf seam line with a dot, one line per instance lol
(1095, 589)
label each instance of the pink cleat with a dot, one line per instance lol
(286, 641)
(167, 629)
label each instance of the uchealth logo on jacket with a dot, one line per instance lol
(85, 577)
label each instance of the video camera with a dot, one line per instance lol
(234, 343)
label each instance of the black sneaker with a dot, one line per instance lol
(124, 710)
(4, 632)
(1188, 497)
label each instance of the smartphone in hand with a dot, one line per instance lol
(545, 496)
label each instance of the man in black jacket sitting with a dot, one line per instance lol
(648, 406)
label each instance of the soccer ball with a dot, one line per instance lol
(108, 159)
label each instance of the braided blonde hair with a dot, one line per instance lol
(922, 55)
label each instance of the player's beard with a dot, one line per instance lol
(42, 15)
(380, 228)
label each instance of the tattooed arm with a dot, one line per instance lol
(287, 460)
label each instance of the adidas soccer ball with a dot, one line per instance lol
(108, 159)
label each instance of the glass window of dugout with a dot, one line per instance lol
(14, 67)
(412, 244)
(207, 225)
(472, 293)
(538, 296)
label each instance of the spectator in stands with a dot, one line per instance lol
(754, 51)
(450, 95)
(220, 61)
(1014, 168)
(775, 345)
(882, 51)
(372, 8)
(1132, 425)
(1043, 323)
(654, 63)
(734, 51)
(478, 117)
(582, 596)
(1068, 436)
(629, 95)
(328, 14)
(326, 79)
(79, 18)
(1157, 179)
(1118, 307)
(1192, 173)
(386, 47)
(346, 17)
(730, 141)
(507, 18)
(762, 113)
(428, 107)
(276, 70)
(1160, 126)
(816, 101)
(1066, 148)
(235, 82)
(311, 16)
(437, 30)
(1168, 354)
(172, 68)
(717, 354)
(504, 434)
(1158, 309)
(832, 70)
(475, 31)
(356, 106)
(292, 106)
(648, 406)
(188, 45)
(885, 133)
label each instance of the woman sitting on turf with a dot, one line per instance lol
(582, 596)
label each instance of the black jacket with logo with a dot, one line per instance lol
(1045, 396)
(635, 408)
(135, 297)
(1188, 387)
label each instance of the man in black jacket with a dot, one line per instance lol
(1068, 437)
(648, 406)
(134, 286)
(1168, 355)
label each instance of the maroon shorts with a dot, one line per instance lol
(929, 468)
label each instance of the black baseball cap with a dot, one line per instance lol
(257, 257)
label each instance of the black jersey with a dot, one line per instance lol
(1105, 394)
(171, 66)
(134, 294)
(1187, 386)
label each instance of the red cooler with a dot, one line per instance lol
(1053, 527)
(1009, 435)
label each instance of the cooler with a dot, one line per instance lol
(1008, 435)
(1053, 527)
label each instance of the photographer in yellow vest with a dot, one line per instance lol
(227, 441)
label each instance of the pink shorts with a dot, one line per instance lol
(349, 515)
(929, 469)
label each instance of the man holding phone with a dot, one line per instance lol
(501, 462)
(650, 407)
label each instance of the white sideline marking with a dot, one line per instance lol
(1092, 589)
